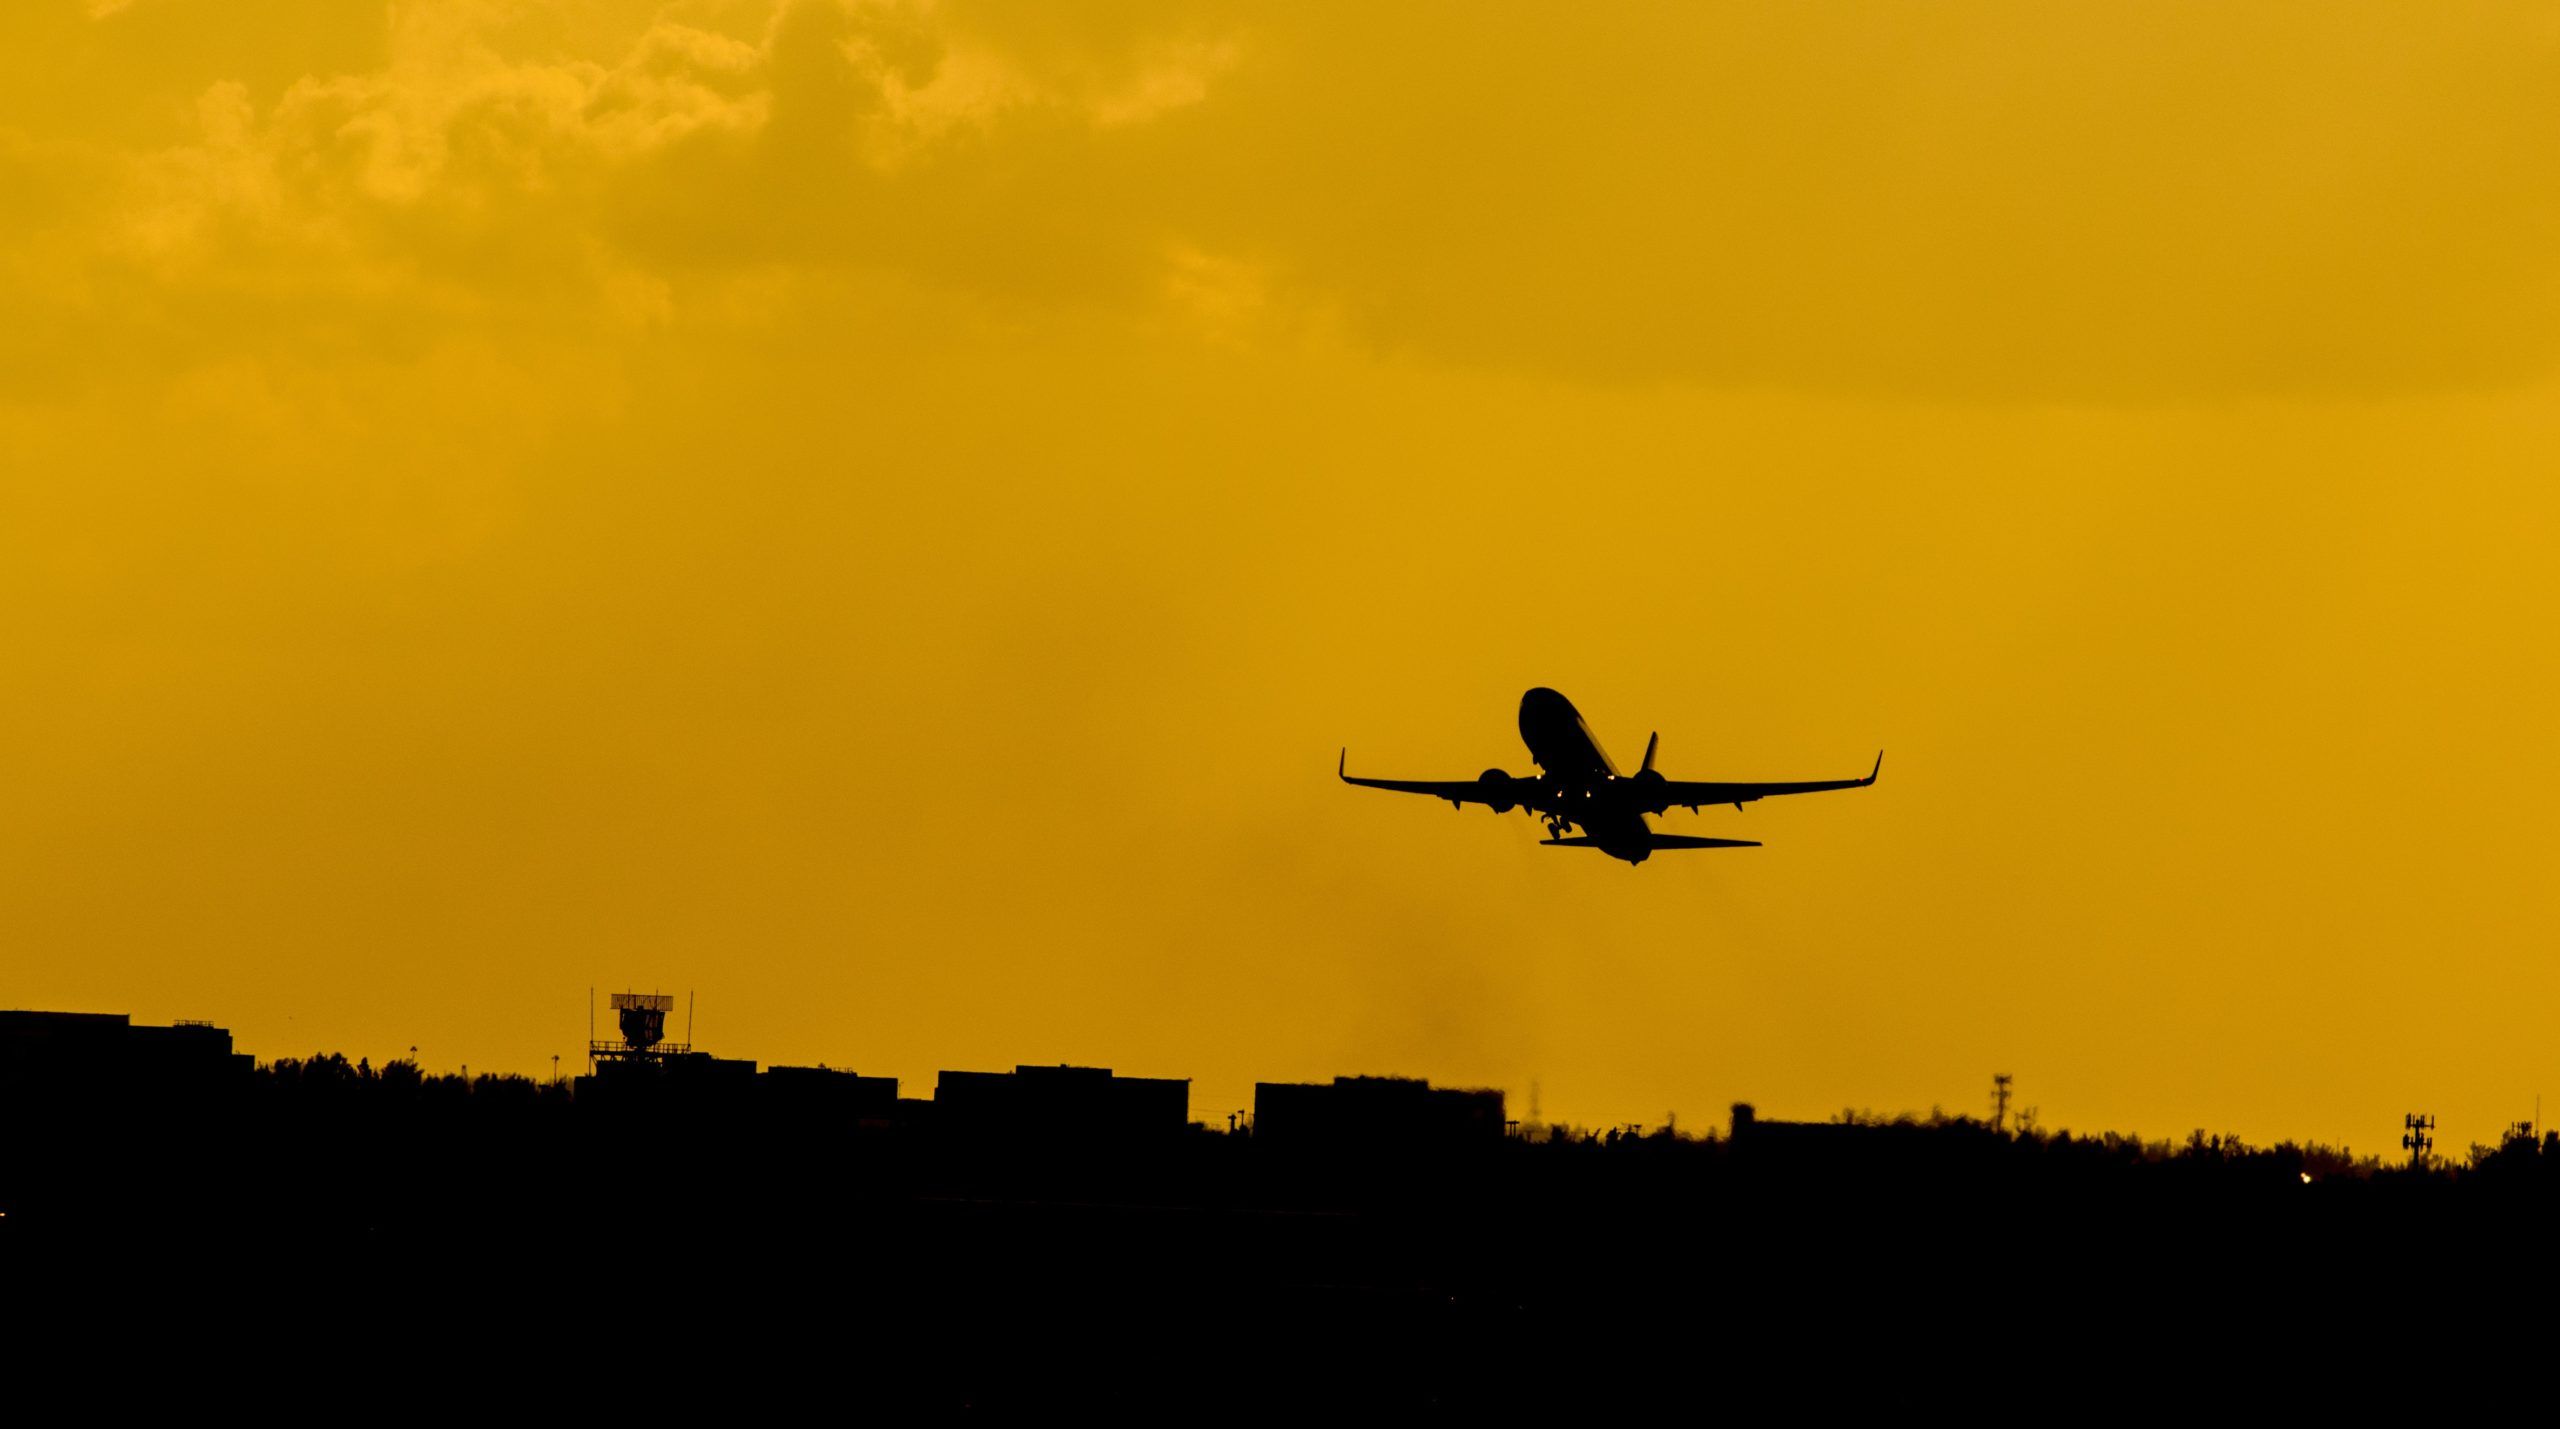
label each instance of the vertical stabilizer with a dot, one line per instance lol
(1651, 741)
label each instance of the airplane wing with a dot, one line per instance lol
(1456, 791)
(1661, 841)
(1691, 794)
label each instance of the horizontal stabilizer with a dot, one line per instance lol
(1661, 841)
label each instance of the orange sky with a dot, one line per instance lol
(882, 515)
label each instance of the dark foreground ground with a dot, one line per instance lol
(372, 1254)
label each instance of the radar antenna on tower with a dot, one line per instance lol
(643, 1021)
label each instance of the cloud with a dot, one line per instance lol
(2110, 202)
(1985, 200)
(477, 176)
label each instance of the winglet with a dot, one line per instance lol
(1342, 766)
(1879, 769)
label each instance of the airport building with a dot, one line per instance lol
(1374, 1113)
(1088, 1102)
(45, 1052)
(825, 1095)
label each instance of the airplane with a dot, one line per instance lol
(1577, 787)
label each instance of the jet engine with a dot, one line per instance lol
(1497, 790)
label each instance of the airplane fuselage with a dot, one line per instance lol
(1579, 784)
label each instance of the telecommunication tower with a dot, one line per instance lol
(1999, 1101)
(2415, 1138)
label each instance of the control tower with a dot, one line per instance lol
(643, 1019)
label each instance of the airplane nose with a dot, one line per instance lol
(1542, 702)
(1546, 720)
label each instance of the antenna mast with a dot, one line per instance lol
(2415, 1139)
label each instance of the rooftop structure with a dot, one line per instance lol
(643, 1023)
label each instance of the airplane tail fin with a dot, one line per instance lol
(1651, 742)
(1660, 841)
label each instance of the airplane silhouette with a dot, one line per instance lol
(1579, 788)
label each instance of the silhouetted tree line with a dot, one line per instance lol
(2520, 1152)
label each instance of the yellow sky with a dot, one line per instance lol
(882, 514)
